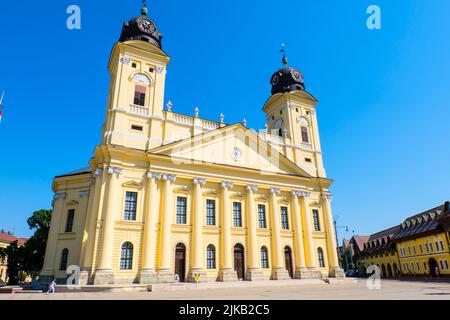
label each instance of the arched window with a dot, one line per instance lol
(211, 257)
(64, 259)
(264, 258)
(321, 258)
(126, 256)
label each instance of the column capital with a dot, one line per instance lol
(252, 188)
(297, 193)
(154, 175)
(59, 196)
(168, 177)
(227, 184)
(84, 194)
(98, 172)
(275, 191)
(327, 196)
(114, 170)
(200, 181)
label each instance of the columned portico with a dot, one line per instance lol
(197, 232)
(104, 273)
(148, 272)
(226, 273)
(279, 272)
(253, 269)
(335, 269)
(165, 273)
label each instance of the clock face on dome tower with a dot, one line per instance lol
(146, 25)
(296, 75)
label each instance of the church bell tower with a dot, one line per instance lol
(291, 114)
(138, 68)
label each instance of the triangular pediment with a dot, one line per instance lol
(233, 146)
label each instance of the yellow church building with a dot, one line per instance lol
(169, 196)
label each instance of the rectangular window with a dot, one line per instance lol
(137, 128)
(424, 266)
(130, 206)
(418, 266)
(446, 264)
(316, 220)
(420, 248)
(210, 212)
(414, 249)
(305, 137)
(70, 219)
(181, 210)
(284, 218)
(437, 246)
(426, 247)
(442, 246)
(262, 216)
(237, 214)
(308, 160)
(431, 247)
(139, 95)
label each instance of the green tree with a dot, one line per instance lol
(34, 248)
(27, 260)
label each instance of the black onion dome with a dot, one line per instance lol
(141, 28)
(287, 79)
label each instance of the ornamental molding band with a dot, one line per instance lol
(142, 78)
(154, 175)
(199, 181)
(227, 185)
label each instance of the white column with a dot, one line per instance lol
(197, 232)
(335, 269)
(167, 210)
(148, 273)
(227, 272)
(104, 273)
(279, 271)
(300, 263)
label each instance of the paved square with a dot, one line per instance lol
(390, 290)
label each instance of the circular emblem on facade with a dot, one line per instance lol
(236, 154)
(146, 25)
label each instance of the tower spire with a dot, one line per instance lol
(144, 9)
(283, 51)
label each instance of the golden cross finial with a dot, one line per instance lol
(283, 51)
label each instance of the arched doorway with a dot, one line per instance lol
(288, 261)
(389, 270)
(396, 273)
(180, 262)
(383, 271)
(239, 261)
(434, 268)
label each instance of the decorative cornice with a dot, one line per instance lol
(200, 181)
(296, 193)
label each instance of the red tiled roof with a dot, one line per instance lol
(4, 237)
(360, 240)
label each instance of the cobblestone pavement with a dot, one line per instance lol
(390, 289)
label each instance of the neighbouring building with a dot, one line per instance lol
(6, 238)
(356, 245)
(169, 196)
(418, 247)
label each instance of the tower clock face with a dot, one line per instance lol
(296, 75)
(146, 25)
(275, 79)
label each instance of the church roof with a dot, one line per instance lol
(287, 79)
(76, 172)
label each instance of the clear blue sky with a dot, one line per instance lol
(384, 95)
